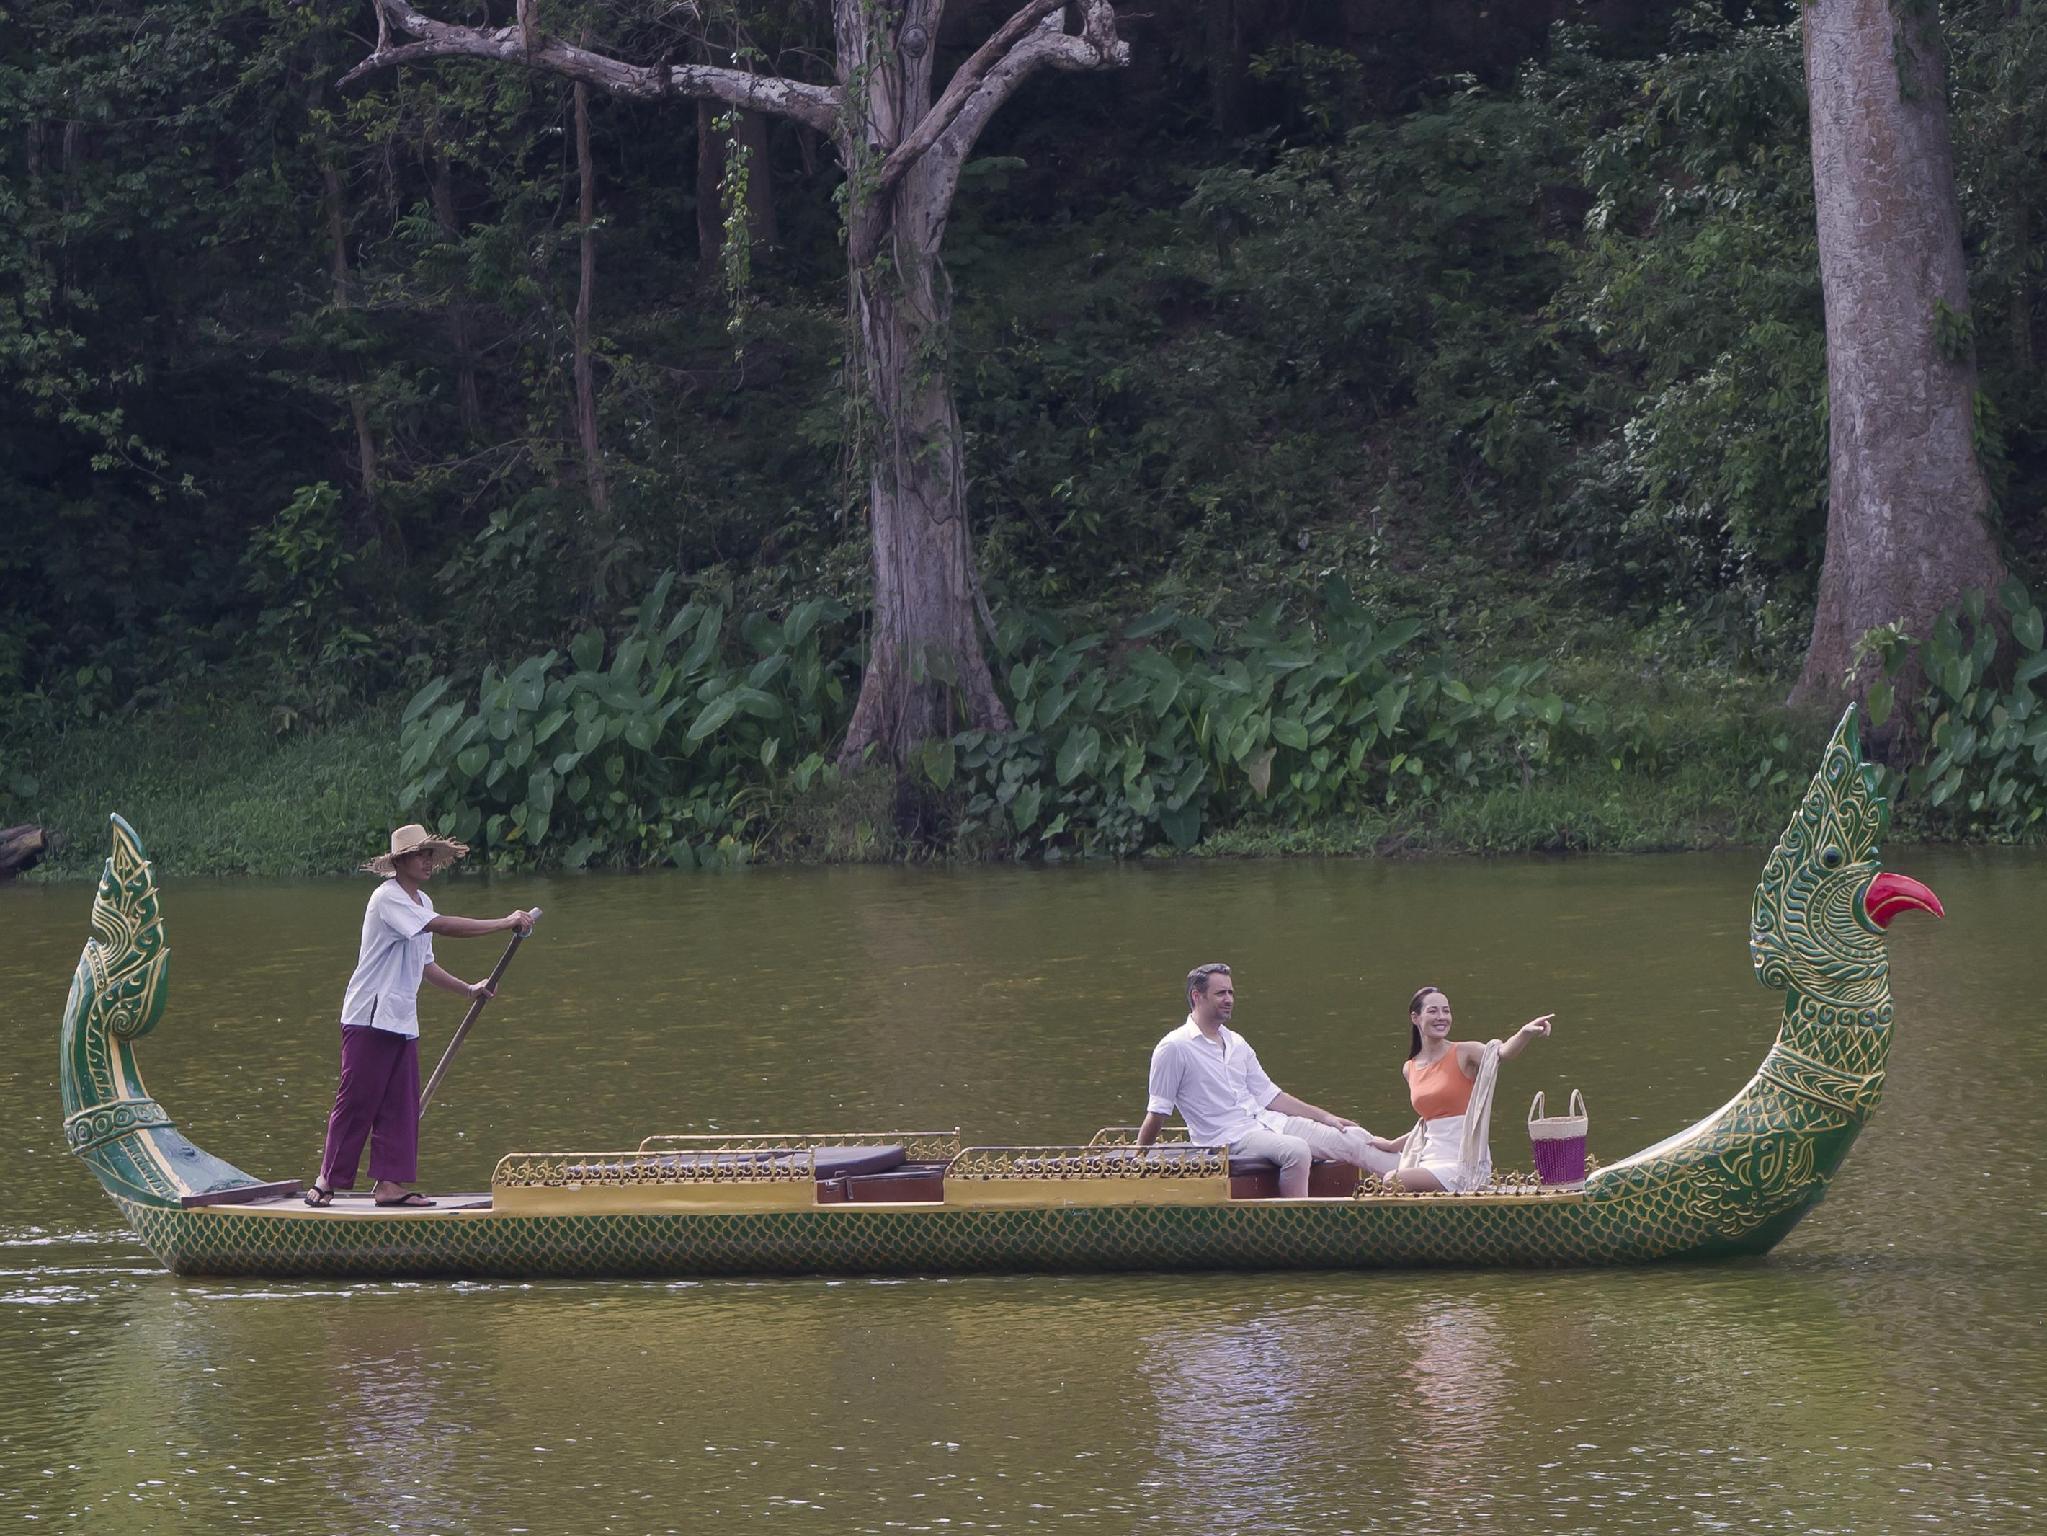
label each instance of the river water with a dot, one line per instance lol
(1884, 1370)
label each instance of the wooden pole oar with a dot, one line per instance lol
(475, 1008)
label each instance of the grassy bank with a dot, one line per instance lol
(216, 792)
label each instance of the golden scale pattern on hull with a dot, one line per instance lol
(1734, 1183)
(1527, 1231)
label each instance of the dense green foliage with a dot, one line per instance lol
(659, 756)
(1195, 726)
(1980, 715)
(1515, 330)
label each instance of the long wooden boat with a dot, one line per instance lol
(898, 1202)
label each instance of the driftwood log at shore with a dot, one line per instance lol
(22, 848)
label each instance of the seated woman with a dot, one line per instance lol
(1451, 1085)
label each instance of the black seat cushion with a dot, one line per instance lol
(853, 1162)
(1253, 1165)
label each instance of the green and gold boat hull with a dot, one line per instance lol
(1733, 1184)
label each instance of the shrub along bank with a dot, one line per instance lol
(689, 737)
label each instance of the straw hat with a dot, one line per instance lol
(412, 839)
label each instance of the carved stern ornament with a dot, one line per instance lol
(117, 995)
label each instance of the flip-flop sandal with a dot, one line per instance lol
(411, 1197)
(316, 1196)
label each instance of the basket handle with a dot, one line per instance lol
(1535, 1109)
(1577, 1104)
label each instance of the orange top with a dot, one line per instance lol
(1439, 1090)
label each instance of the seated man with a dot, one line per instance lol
(1210, 1074)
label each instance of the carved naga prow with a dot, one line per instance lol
(1747, 1173)
(117, 995)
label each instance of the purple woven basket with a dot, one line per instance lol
(1558, 1141)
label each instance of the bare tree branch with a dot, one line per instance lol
(815, 106)
(1096, 46)
(1031, 39)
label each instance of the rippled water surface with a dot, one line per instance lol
(1884, 1370)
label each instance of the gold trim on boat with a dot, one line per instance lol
(1050, 1176)
(1090, 1162)
(918, 1146)
(693, 1197)
(1126, 1136)
(748, 1166)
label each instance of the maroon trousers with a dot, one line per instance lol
(378, 1102)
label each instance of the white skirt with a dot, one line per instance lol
(1442, 1151)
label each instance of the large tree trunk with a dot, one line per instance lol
(1907, 526)
(926, 674)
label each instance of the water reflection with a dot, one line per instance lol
(1455, 1387)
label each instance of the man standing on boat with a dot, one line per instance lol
(378, 1100)
(1210, 1074)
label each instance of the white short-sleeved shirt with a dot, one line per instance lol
(396, 950)
(1219, 1089)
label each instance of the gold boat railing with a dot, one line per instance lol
(1180, 1160)
(918, 1146)
(1126, 1136)
(791, 1158)
(710, 1159)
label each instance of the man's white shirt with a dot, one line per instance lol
(1218, 1087)
(396, 950)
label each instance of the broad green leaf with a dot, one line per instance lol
(1023, 810)
(1078, 754)
(650, 610)
(587, 650)
(802, 619)
(939, 762)
(721, 709)
(625, 665)
(705, 642)
(1183, 826)
(423, 700)
(1387, 704)
(2026, 628)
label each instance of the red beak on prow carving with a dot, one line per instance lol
(1890, 894)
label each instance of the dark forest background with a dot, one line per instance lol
(1507, 318)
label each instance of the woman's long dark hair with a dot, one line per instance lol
(1414, 1030)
